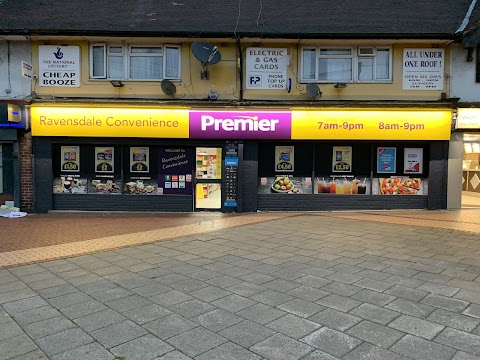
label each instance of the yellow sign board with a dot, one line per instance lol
(370, 124)
(109, 122)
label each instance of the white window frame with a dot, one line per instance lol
(127, 54)
(355, 56)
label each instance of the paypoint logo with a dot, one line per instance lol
(240, 125)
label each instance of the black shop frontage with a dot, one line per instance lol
(183, 160)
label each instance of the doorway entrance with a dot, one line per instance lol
(471, 171)
(208, 178)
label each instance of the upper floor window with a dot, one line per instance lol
(134, 62)
(346, 64)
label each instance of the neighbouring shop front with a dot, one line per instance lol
(10, 123)
(179, 159)
(467, 139)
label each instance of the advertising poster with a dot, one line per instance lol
(386, 160)
(139, 159)
(400, 186)
(69, 184)
(342, 159)
(266, 68)
(285, 185)
(104, 159)
(174, 171)
(413, 161)
(423, 69)
(70, 161)
(284, 158)
(342, 185)
(59, 65)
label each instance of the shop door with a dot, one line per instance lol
(208, 178)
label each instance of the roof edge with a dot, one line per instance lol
(263, 35)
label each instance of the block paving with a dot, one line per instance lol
(272, 286)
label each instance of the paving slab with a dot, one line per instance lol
(358, 290)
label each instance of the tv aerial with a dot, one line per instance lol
(206, 54)
(313, 90)
(168, 87)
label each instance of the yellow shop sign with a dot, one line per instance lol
(395, 124)
(109, 122)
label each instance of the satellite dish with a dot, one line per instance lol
(168, 87)
(206, 54)
(313, 90)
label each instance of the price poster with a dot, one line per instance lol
(104, 159)
(70, 158)
(413, 161)
(284, 158)
(386, 160)
(139, 159)
(342, 159)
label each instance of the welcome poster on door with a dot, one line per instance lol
(175, 167)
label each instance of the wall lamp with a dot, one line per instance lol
(340, 85)
(117, 83)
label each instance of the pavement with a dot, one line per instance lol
(336, 285)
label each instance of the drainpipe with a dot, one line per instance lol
(241, 67)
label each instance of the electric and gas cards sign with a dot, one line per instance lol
(59, 65)
(240, 124)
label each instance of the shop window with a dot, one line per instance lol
(6, 169)
(285, 168)
(341, 168)
(134, 62)
(127, 170)
(348, 64)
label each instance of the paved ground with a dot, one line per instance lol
(379, 286)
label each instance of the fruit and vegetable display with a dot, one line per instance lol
(283, 184)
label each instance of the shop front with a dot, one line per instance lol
(357, 159)
(180, 159)
(128, 159)
(467, 139)
(10, 123)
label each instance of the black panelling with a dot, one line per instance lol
(8, 172)
(438, 174)
(311, 202)
(94, 202)
(43, 176)
(249, 176)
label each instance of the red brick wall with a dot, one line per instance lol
(26, 180)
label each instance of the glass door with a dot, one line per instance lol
(208, 178)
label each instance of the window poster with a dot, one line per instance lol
(386, 160)
(342, 159)
(175, 171)
(413, 161)
(70, 158)
(284, 158)
(139, 159)
(104, 160)
(400, 186)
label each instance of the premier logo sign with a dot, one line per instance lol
(240, 125)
